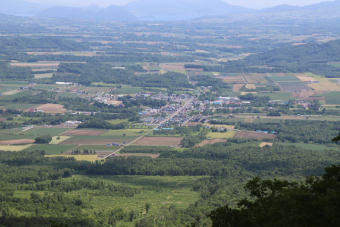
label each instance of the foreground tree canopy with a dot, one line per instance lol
(281, 203)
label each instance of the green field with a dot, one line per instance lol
(96, 147)
(159, 191)
(284, 96)
(51, 148)
(285, 78)
(44, 131)
(312, 147)
(333, 98)
(18, 106)
(221, 135)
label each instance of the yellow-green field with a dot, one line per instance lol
(14, 147)
(229, 127)
(59, 139)
(11, 92)
(319, 83)
(89, 158)
(118, 121)
(43, 75)
(251, 86)
(221, 135)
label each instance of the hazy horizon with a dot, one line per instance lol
(258, 4)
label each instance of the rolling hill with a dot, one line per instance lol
(181, 9)
(111, 13)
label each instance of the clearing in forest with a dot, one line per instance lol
(264, 144)
(254, 135)
(211, 141)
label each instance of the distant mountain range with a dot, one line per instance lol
(182, 9)
(172, 10)
(20, 7)
(111, 13)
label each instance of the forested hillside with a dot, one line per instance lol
(310, 57)
(284, 203)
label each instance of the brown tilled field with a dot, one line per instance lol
(82, 133)
(237, 87)
(159, 141)
(41, 64)
(16, 142)
(52, 108)
(93, 141)
(209, 142)
(256, 78)
(233, 79)
(254, 135)
(177, 67)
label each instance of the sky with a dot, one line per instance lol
(256, 4)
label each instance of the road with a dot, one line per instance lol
(186, 104)
(125, 145)
(175, 113)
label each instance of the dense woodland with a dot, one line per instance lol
(284, 203)
(309, 132)
(224, 163)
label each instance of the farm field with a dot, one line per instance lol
(96, 140)
(50, 149)
(39, 131)
(82, 132)
(159, 141)
(128, 132)
(210, 141)
(126, 155)
(253, 135)
(332, 98)
(16, 142)
(284, 96)
(59, 139)
(283, 78)
(221, 135)
(14, 147)
(37, 65)
(256, 78)
(43, 75)
(51, 108)
(89, 158)
(319, 83)
(237, 87)
(313, 147)
(228, 127)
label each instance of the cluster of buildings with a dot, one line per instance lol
(229, 101)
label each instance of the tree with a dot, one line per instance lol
(43, 139)
(147, 207)
(283, 203)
